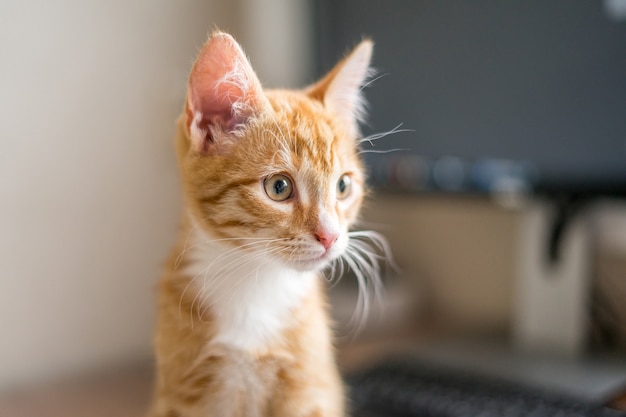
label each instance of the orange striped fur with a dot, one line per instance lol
(272, 182)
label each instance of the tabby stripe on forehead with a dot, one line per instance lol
(222, 192)
(324, 161)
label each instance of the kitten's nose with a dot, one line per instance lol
(326, 238)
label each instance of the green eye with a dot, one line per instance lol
(344, 186)
(278, 187)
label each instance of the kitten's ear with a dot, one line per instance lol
(223, 91)
(340, 89)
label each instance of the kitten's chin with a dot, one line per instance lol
(310, 265)
(313, 264)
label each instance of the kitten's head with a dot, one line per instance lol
(273, 172)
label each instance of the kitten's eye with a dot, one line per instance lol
(278, 187)
(344, 186)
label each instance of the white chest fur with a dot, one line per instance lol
(250, 296)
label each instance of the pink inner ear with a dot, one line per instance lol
(222, 88)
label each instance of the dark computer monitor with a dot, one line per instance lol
(521, 95)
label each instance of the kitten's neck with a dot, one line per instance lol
(250, 298)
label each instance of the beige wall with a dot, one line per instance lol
(277, 37)
(88, 187)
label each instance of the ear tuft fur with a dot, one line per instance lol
(223, 91)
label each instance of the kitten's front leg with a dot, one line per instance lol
(308, 393)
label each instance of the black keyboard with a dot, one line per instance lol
(411, 389)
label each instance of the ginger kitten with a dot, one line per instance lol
(272, 183)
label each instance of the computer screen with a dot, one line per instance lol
(489, 95)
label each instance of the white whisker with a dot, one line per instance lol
(372, 80)
(366, 253)
(195, 227)
(383, 151)
(361, 311)
(376, 136)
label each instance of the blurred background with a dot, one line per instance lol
(513, 231)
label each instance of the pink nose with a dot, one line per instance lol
(326, 238)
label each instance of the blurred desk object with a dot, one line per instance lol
(476, 268)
